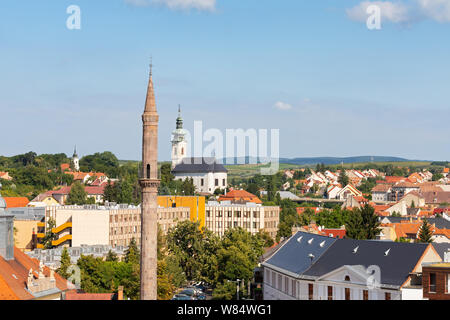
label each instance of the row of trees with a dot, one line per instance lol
(187, 253)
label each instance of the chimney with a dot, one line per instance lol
(120, 293)
(7, 237)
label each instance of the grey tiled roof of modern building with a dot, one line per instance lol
(441, 248)
(294, 255)
(395, 266)
(199, 165)
(439, 222)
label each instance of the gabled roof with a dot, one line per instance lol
(293, 256)
(401, 260)
(441, 248)
(199, 165)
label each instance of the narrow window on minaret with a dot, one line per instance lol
(148, 171)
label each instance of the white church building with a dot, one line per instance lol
(207, 174)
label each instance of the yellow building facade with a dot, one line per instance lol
(195, 203)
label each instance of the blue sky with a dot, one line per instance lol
(310, 68)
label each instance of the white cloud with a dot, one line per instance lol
(390, 11)
(282, 106)
(399, 12)
(207, 5)
(438, 10)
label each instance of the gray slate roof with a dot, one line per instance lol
(199, 165)
(440, 223)
(395, 267)
(293, 256)
(441, 248)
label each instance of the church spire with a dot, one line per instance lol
(179, 119)
(150, 105)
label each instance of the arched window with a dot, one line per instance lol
(148, 171)
(182, 151)
(347, 278)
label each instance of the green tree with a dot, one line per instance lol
(425, 232)
(343, 178)
(65, 264)
(77, 194)
(49, 235)
(363, 224)
(132, 254)
(225, 291)
(111, 256)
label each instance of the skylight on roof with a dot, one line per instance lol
(387, 252)
(322, 244)
(310, 240)
(356, 249)
(299, 239)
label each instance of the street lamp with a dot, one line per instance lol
(237, 287)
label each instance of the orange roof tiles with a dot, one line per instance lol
(16, 202)
(15, 274)
(234, 195)
(73, 295)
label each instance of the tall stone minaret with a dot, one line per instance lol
(149, 183)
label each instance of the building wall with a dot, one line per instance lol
(222, 217)
(208, 180)
(90, 227)
(442, 291)
(112, 227)
(278, 286)
(194, 203)
(23, 236)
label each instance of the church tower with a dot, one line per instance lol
(75, 160)
(149, 183)
(179, 143)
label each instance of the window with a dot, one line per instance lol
(207, 213)
(238, 214)
(286, 285)
(347, 294)
(447, 283)
(230, 214)
(223, 182)
(293, 288)
(280, 283)
(310, 291)
(365, 294)
(216, 182)
(330, 293)
(432, 286)
(148, 171)
(387, 296)
(202, 182)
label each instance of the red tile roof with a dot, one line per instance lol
(14, 275)
(234, 195)
(16, 202)
(74, 295)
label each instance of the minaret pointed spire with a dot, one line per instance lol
(150, 105)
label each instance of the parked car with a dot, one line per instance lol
(188, 292)
(182, 297)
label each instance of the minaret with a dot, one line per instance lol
(179, 143)
(149, 183)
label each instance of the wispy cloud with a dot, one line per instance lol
(390, 11)
(403, 12)
(282, 106)
(203, 5)
(438, 10)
